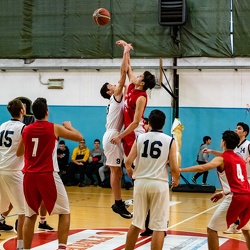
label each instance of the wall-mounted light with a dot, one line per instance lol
(55, 83)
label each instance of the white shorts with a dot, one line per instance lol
(151, 195)
(47, 187)
(113, 153)
(11, 191)
(218, 221)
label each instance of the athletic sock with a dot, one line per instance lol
(20, 244)
(42, 219)
(119, 203)
(2, 218)
(61, 246)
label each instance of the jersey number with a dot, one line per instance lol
(5, 138)
(239, 172)
(35, 140)
(153, 148)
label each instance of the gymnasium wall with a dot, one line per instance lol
(211, 101)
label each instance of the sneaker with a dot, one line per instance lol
(45, 227)
(15, 226)
(5, 227)
(193, 180)
(122, 211)
(205, 184)
(232, 230)
(81, 184)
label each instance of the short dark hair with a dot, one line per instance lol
(244, 126)
(97, 140)
(61, 142)
(206, 138)
(14, 107)
(40, 108)
(231, 139)
(149, 80)
(104, 90)
(156, 119)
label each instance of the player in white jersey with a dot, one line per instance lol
(11, 176)
(114, 123)
(243, 150)
(152, 152)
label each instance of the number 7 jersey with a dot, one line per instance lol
(40, 145)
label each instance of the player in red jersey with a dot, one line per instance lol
(134, 107)
(231, 169)
(41, 179)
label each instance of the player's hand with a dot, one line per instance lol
(175, 182)
(67, 124)
(115, 140)
(217, 196)
(248, 159)
(206, 150)
(130, 172)
(128, 47)
(121, 43)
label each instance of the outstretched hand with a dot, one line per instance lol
(217, 196)
(67, 124)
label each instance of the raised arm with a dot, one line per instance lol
(216, 162)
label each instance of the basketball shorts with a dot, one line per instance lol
(11, 191)
(46, 187)
(228, 212)
(113, 152)
(151, 195)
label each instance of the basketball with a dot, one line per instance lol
(101, 16)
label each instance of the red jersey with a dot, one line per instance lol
(234, 177)
(40, 145)
(129, 112)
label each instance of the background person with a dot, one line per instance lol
(202, 158)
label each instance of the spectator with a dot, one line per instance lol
(63, 159)
(96, 160)
(79, 158)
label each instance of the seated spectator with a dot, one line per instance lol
(63, 159)
(96, 160)
(79, 159)
(105, 181)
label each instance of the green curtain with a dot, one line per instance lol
(65, 29)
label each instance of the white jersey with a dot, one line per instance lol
(243, 151)
(114, 114)
(10, 135)
(152, 156)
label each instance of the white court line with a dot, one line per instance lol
(190, 218)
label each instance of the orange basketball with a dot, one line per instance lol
(101, 16)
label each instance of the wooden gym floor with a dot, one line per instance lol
(91, 209)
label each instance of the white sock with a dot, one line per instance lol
(42, 219)
(2, 218)
(20, 244)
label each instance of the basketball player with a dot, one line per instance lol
(41, 179)
(243, 150)
(231, 169)
(134, 107)
(151, 152)
(11, 176)
(114, 123)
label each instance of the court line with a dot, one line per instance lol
(190, 218)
